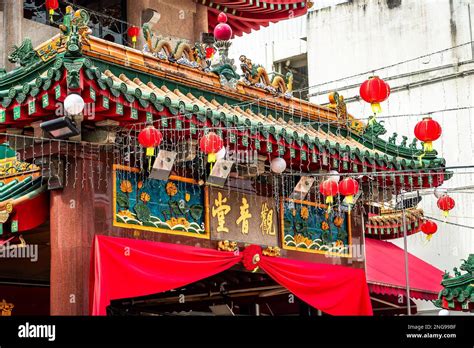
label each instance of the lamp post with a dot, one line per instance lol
(405, 249)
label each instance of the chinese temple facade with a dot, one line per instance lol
(243, 222)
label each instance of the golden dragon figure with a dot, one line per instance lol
(162, 48)
(257, 75)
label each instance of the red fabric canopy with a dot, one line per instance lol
(123, 268)
(245, 15)
(386, 272)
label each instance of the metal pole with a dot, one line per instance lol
(470, 30)
(405, 247)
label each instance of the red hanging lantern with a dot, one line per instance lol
(349, 187)
(149, 138)
(446, 203)
(329, 189)
(133, 32)
(210, 144)
(429, 228)
(51, 6)
(374, 91)
(427, 131)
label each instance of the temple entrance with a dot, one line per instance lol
(230, 293)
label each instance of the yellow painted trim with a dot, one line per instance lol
(282, 229)
(206, 235)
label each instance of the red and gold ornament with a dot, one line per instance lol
(251, 257)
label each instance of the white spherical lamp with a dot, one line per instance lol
(74, 104)
(334, 175)
(221, 153)
(278, 165)
(443, 312)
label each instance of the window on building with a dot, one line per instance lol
(108, 17)
(298, 65)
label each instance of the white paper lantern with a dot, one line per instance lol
(221, 153)
(74, 104)
(443, 312)
(334, 176)
(278, 165)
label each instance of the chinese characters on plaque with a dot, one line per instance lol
(243, 217)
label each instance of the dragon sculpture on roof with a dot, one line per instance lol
(182, 53)
(255, 74)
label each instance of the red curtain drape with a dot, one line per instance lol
(122, 268)
(336, 290)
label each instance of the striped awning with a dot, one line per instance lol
(245, 15)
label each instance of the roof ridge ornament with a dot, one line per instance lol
(25, 55)
(183, 53)
(75, 28)
(222, 65)
(256, 75)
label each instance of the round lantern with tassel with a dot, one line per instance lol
(329, 189)
(427, 131)
(374, 90)
(210, 144)
(149, 138)
(446, 203)
(51, 6)
(429, 228)
(349, 187)
(133, 32)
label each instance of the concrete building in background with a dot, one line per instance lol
(357, 37)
